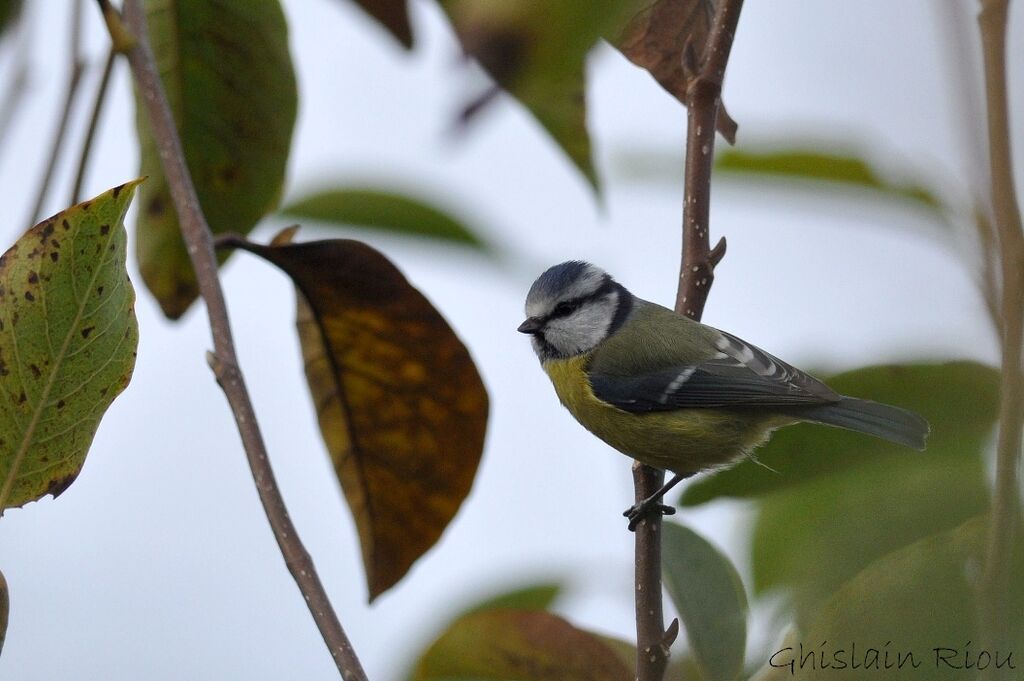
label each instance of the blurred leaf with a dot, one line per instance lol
(683, 668)
(401, 406)
(229, 80)
(959, 400)
(519, 645)
(5, 609)
(532, 597)
(67, 313)
(666, 34)
(919, 598)
(811, 538)
(392, 15)
(383, 210)
(839, 169)
(535, 50)
(709, 596)
(10, 11)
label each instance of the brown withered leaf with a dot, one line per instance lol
(401, 406)
(667, 38)
(392, 15)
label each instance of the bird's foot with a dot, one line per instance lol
(641, 511)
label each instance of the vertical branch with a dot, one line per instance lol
(1005, 525)
(77, 66)
(697, 272)
(130, 37)
(15, 87)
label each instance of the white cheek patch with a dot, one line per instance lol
(584, 329)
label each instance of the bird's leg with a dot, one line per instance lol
(652, 504)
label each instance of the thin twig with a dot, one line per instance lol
(16, 86)
(90, 132)
(697, 272)
(223, 360)
(1006, 508)
(77, 66)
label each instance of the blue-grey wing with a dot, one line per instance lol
(736, 375)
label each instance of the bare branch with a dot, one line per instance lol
(76, 68)
(90, 132)
(131, 37)
(698, 262)
(1005, 525)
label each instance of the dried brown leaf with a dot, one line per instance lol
(668, 39)
(401, 406)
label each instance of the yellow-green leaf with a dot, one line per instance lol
(809, 539)
(535, 50)
(920, 601)
(67, 343)
(519, 645)
(228, 75)
(401, 406)
(709, 596)
(383, 210)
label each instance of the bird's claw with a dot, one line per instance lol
(639, 512)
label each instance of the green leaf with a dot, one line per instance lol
(917, 599)
(229, 79)
(5, 609)
(809, 164)
(809, 539)
(383, 210)
(709, 596)
(67, 347)
(959, 399)
(392, 15)
(10, 11)
(519, 645)
(535, 50)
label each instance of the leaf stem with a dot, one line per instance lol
(90, 132)
(697, 268)
(223, 360)
(15, 88)
(77, 67)
(1006, 507)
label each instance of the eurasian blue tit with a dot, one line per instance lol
(671, 392)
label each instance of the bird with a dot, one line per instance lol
(674, 393)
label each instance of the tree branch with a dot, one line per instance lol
(90, 132)
(223, 359)
(77, 66)
(1005, 524)
(697, 272)
(15, 87)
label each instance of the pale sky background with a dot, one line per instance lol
(158, 563)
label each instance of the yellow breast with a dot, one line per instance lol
(682, 441)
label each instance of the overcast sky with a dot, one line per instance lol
(158, 562)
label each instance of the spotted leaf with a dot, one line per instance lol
(67, 343)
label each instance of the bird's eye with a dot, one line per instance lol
(564, 308)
